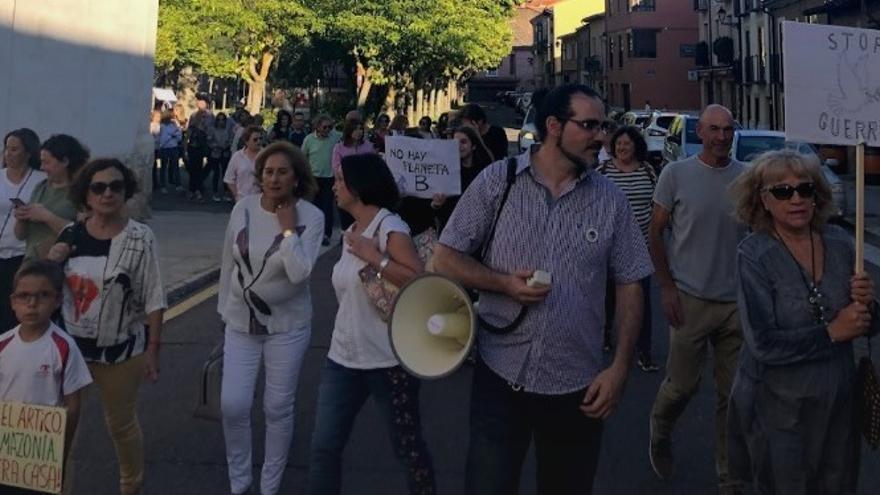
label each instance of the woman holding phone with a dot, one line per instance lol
(18, 179)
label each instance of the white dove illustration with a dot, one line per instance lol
(854, 89)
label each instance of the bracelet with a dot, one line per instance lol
(383, 264)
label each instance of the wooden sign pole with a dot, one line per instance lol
(860, 208)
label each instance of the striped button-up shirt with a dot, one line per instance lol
(581, 238)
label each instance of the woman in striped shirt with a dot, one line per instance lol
(629, 169)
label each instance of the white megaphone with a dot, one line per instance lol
(432, 326)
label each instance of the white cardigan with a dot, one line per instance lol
(273, 270)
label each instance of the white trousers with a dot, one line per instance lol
(282, 355)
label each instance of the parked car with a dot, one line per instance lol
(528, 134)
(655, 133)
(749, 144)
(681, 139)
(636, 118)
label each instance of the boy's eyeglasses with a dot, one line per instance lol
(783, 192)
(28, 297)
(98, 188)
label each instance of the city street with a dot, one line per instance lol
(185, 455)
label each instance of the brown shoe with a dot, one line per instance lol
(660, 454)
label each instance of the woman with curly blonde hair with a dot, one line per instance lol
(790, 428)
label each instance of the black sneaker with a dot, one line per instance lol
(647, 364)
(660, 454)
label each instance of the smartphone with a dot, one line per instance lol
(16, 202)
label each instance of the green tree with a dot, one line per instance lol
(229, 38)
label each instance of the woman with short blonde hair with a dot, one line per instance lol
(790, 417)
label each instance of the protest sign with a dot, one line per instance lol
(832, 84)
(424, 167)
(32, 446)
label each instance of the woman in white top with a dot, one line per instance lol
(360, 362)
(240, 172)
(271, 246)
(19, 177)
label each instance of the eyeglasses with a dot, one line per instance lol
(28, 297)
(783, 192)
(98, 188)
(587, 124)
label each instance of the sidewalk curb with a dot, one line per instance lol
(192, 285)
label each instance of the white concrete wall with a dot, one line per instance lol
(85, 68)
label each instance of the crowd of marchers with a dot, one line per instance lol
(747, 267)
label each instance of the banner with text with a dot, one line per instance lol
(32, 446)
(832, 84)
(424, 167)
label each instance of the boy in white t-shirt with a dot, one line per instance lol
(39, 363)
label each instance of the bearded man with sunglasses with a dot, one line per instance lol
(696, 270)
(544, 376)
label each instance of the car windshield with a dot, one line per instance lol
(641, 121)
(690, 126)
(664, 122)
(749, 147)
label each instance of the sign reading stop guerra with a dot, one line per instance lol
(832, 84)
(32, 446)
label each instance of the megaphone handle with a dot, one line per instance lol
(507, 328)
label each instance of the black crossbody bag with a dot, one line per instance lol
(481, 254)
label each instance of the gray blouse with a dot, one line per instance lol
(780, 330)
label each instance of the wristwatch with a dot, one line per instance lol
(287, 233)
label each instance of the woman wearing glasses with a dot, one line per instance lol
(790, 420)
(113, 303)
(240, 171)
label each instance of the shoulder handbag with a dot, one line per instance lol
(867, 402)
(210, 380)
(383, 293)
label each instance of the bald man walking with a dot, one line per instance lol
(696, 270)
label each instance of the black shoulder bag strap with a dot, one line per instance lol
(481, 255)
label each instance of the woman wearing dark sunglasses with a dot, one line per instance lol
(113, 303)
(790, 420)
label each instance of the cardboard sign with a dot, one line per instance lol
(32, 446)
(424, 167)
(832, 84)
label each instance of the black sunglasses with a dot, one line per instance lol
(98, 188)
(587, 124)
(781, 192)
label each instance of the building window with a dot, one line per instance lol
(643, 43)
(642, 6)
(620, 51)
(611, 52)
(512, 64)
(492, 73)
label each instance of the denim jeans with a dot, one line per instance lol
(340, 396)
(503, 422)
(169, 174)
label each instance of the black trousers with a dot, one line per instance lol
(195, 162)
(503, 423)
(8, 267)
(324, 201)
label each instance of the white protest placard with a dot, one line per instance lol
(32, 446)
(832, 84)
(424, 167)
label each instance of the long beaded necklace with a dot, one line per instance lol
(814, 296)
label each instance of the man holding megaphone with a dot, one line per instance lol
(547, 244)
